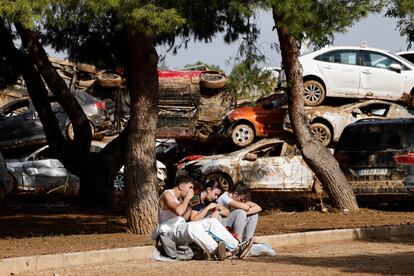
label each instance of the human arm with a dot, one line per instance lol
(179, 209)
(253, 208)
(187, 213)
(239, 205)
(198, 215)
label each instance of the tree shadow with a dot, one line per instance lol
(398, 263)
(31, 216)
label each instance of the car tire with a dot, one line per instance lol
(105, 79)
(242, 135)
(119, 183)
(11, 185)
(87, 68)
(70, 134)
(314, 93)
(225, 182)
(212, 80)
(322, 132)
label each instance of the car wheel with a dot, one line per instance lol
(70, 134)
(322, 133)
(242, 135)
(314, 93)
(212, 80)
(224, 180)
(105, 79)
(11, 185)
(119, 184)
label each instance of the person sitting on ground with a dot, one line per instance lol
(172, 214)
(204, 204)
(244, 213)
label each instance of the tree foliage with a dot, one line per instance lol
(404, 11)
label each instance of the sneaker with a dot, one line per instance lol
(244, 248)
(221, 251)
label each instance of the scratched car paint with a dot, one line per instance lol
(270, 164)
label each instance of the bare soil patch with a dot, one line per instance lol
(39, 225)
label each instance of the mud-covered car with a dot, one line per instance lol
(4, 179)
(377, 157)
(268, 165)
(327, 122)
(42, 173)
(20, 125)
(265, 119)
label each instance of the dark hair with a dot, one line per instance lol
(241, 188)
(183, 179)
(213, 184)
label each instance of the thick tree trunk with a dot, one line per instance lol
(317, 156)
(140, 169)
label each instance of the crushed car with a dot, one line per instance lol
(265, 119)
(4, 177)
(267, 165)
(20, 125)
(42, 173)
(328, 122)
(377, 157)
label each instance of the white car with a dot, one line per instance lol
(270, 164)
(42, 173)
(327, 122)
(355, 72)
(408, 55)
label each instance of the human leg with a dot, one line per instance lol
(251, 223)
(237, 220)
(215, 229)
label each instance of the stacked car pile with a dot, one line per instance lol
(375, 84)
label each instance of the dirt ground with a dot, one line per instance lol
(38, 225)
(369, 257)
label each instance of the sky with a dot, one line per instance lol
(377, 30)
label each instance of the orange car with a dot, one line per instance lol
(265, 119)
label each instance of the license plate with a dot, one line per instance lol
(372, 172)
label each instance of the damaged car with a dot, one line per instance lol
(4, 178)
(267, 165)
(20, 125)
(41, 172)
(265, 119)
(377, 157)
(327, 122)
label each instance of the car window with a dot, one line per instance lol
(19, 107)
(377, 109)
(339, 56)
(269, 150)
(377, 60)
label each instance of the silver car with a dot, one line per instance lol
(327, 122)
(270, 164)
(42, 173)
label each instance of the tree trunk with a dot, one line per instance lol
(316, 156)
(140, 169)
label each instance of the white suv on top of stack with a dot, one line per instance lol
(355, 72)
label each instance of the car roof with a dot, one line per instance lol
(330, 48)
(376, 122)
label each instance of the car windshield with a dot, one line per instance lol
(85, 98)
(376, 137)
(399, 58)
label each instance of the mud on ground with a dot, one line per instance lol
(32, 225)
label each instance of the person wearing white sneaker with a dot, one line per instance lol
(208, 233)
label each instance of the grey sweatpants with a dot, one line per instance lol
(241, 224)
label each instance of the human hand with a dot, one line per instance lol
(189, 194)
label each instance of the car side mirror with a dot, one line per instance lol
(395, 67)
(250, 157)
(356, 112)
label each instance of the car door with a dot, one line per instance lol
(271, 117)
(341, 71)
(267, 167)
(42, 172)
(377, 80)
